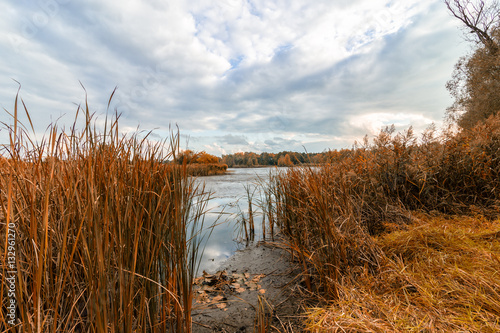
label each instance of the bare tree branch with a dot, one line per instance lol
(479, 17)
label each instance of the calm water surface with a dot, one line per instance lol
(229, 201)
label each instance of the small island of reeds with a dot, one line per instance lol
(201, 163)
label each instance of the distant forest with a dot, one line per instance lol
(285, 158)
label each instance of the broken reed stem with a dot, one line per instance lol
(250, 220)
(269, 208)
(263, 315)
(251, 224)
(263, 226)
(244, 223)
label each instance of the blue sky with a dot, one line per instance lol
(234, 75)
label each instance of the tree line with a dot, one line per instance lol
(284, 158)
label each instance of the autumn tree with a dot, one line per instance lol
(205, 158)
(475, 83)
(285, 160)
(185, 156)
(189, 156)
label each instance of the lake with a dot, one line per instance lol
(229, 201)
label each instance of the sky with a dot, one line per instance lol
(233, 75)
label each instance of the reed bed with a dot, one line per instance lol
(206, 169)
(333, 216)
(107, 230)
(453, 173)
(321, 219)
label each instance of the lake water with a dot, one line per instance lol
(229, 201)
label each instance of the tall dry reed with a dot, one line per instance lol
(321, 219)
(106, 230)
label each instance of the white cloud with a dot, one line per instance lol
(372, 123)
(251, 68)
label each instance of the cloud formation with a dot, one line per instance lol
(249, 75)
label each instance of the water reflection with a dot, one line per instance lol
(228, 202)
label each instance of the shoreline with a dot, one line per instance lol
(259, 276)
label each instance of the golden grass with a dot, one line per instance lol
(441, 275)
(106, 230)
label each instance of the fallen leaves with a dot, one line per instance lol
(221, 306)
(210, 287)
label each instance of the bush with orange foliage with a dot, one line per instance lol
(205, 158)
(201, 164)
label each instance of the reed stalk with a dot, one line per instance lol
(251, 225)
(263, 315)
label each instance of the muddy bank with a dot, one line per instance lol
(256, 281)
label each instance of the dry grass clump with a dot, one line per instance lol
(105, 231)
(442, 276)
